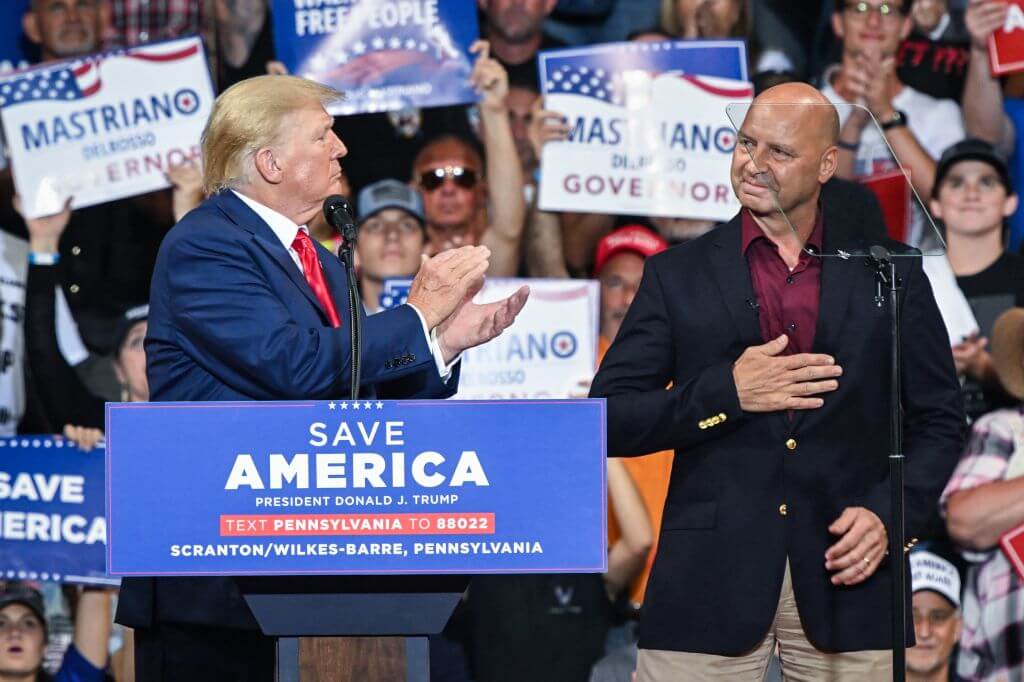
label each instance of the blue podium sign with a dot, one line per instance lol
(51, 511)
(362, 487)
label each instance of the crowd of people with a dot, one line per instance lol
(429, 180)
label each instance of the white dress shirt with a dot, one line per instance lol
(286, 231)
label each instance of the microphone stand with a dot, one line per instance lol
(887, 287)
(355, 305)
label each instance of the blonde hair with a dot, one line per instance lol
(247, 117)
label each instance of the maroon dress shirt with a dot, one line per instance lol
(787, 301)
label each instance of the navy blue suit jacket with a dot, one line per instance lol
(750, 490)
(232, 318)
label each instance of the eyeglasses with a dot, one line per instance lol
(462, 177)
(885, 10)
(935, 617)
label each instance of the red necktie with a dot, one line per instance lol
(303, 246)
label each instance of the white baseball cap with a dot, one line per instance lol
(929, 571)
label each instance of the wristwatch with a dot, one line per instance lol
(899, 118)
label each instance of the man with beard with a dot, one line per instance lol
(515, 29)
(64, 28)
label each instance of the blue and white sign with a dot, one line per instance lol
(107, 126)
(549, 352)
(384, 55)
(649, 130)
(394, 293)
(361, 487)
(52, 524)
(13, 44)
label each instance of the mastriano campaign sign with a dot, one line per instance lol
(649, 133)
(104, 127)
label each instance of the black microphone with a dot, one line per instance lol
(880, 254)
(338, 212)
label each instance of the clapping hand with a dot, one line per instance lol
(867, 83)
(443, 281)
(472, 324)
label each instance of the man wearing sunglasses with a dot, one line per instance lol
(916, 126)
(460, 207)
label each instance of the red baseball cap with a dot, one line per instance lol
(633, 238)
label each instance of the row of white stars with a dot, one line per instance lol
(651, 46)
(368, 107)
(36, 442)
(31, 575)
(43, 82)
(19, 96)
(584, 89)
(319, 62)
(356, 405)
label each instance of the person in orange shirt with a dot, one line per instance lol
(618, 265)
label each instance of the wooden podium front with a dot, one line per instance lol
(357, 659)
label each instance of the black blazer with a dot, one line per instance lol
(724, 537)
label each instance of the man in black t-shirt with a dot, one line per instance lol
(934, 58)
(515, 30)
(973, 197)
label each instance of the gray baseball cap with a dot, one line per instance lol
(385, 194)
(26, 596)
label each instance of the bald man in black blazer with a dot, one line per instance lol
(774, 528)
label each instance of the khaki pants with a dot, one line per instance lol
(800, 660)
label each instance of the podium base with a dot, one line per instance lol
(359, 628)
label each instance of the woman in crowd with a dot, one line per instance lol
(24, 635)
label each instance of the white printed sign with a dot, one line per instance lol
(13, 277)
(107, 126)
(645, 140)
(550, 348)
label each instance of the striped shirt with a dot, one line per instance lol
(145, 21)
(992, 640)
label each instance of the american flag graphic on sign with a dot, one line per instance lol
(573, 79)
(81, 78)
